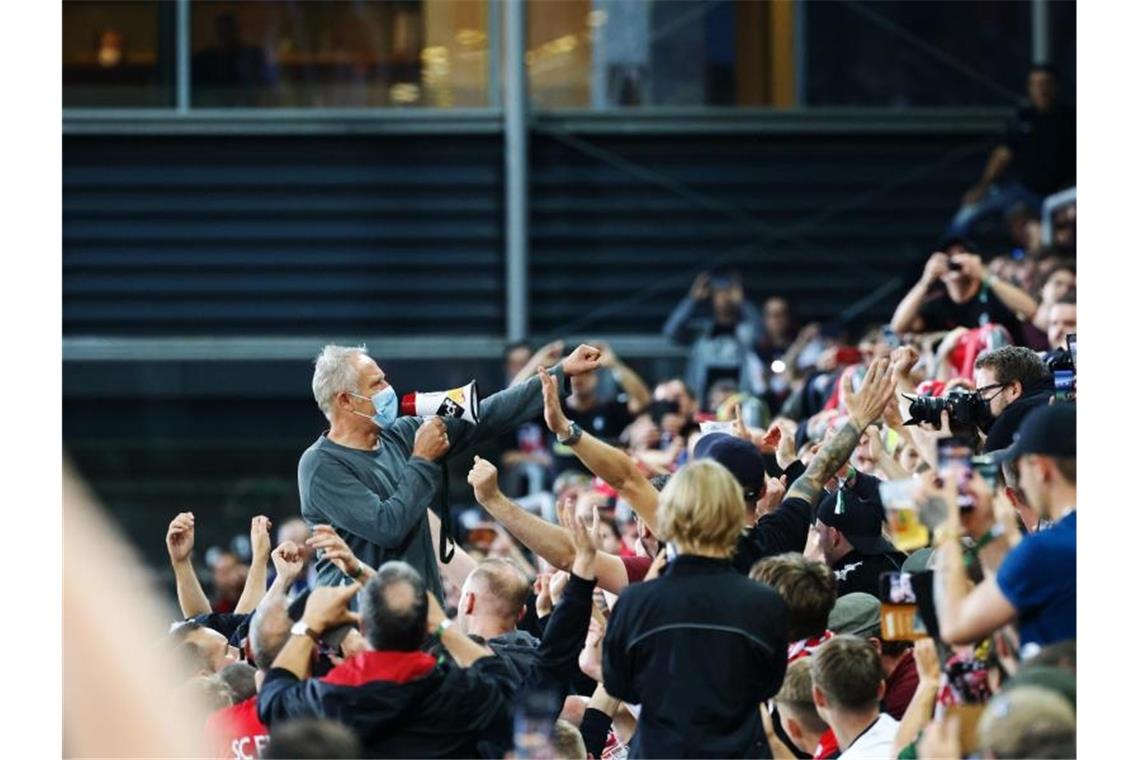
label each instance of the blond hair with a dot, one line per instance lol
(701, 509)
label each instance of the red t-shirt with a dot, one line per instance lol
(636, 567)
(901, 685)
(236, 732)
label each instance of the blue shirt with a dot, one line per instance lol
(1039, 578)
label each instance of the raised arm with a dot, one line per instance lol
(180, 545)
(677, 327)
(547, 356)
(630, 382)
(921, 708)
(965, 615)
(1016, 300)
(906, 317)
(611, 465)
(551, 542)
(287, 563)
(565, 632)
(255, 582)
(506, 410)
(863, 408)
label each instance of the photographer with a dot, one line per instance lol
(973, 296)
(1011, 381)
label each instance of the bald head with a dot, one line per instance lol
(393, 608)
(269, 630)
(493, 598)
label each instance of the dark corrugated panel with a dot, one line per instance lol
(394, 235)
(624, 222)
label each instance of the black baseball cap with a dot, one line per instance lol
(860, 521)
(739, 457)
(957, 240)
(1049, 430)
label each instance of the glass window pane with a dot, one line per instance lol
(427, 53)
(910, 54)
(118, 54)
(669, 53)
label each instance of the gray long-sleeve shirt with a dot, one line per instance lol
(377, 500)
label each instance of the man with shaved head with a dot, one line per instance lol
(236, 731)
(491, 603)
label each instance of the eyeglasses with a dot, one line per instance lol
(995, 387)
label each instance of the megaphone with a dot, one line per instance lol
(460, 403)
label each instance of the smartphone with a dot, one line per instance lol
(1071, 343)
(898, 617)
(955, 464)
(1063, 384)
(658, 410)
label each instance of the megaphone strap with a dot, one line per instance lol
(445, 552)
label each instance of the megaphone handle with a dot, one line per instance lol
(445, 552)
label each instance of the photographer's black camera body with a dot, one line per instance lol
(968, 411)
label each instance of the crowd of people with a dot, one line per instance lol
(818, 542)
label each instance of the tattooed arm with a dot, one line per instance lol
(863, 408)
(786, 528)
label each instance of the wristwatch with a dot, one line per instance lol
(301, 628)
(574, 437)
(443, 626)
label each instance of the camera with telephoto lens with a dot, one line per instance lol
(967, 410)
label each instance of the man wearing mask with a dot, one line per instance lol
(373, 475)
(1013, 381)
(722, 346)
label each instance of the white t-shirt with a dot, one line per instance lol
(874, 743)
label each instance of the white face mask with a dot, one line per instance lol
(386, 405)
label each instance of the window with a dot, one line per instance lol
(118, 54)
(667, 53)
(429, 53)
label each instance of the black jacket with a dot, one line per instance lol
(1000, 434)
(784, 529)
(401, 704)
(699, 648)
(856, 571)
(409, 704)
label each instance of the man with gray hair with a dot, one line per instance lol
(373, 475)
